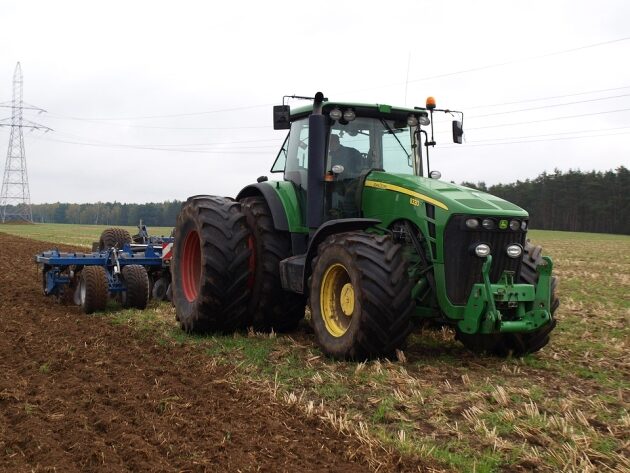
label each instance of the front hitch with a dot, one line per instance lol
(531, 304)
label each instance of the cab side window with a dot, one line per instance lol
(280, 163)
(296, 169)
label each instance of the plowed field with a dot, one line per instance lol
(78, 393)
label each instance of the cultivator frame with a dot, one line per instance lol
(59, 267)
(126, 273)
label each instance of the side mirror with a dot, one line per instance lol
(458, 131)
(281, 117)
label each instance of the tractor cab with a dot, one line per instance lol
(354, 140)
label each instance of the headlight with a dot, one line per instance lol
(349, 115)
(515, 225)
(523, 225)
(424, 120)
(514, 251)
(472, 223)
(489, 224)
(482, 250)
(412, 120)
(335, 114)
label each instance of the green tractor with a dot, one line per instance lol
(360, 232)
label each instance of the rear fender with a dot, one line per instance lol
(278, 213)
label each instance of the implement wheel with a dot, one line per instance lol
(113, 238)
(158, 292)
(210, 266)
(93, 289)
(518, 344)
(360, 296)
(137, 282)
(270, 306)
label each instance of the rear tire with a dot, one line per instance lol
(270, 306)
(518, 344)
(137, 282)
(360, 296)
(113, 238)
(210, 266)
(93, 289)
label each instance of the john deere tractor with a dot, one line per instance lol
(360, 231)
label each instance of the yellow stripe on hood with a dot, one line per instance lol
(402, 190)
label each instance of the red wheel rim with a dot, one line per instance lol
(252, 262)
(191, 266)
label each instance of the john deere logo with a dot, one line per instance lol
(503, 224)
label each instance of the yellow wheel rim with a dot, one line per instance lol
(336, 299)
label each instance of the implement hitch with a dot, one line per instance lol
(532, 304)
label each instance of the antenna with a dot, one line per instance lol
(407, 78)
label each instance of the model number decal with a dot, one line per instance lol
(413, 201)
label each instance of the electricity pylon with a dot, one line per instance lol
(15, 197)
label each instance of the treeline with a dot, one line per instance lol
(154, 214)
(574, 201)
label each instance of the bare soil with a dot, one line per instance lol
(78, 393)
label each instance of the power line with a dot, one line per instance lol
(547, 98)
(581, 115)
(530, 58)
(176, 145)
(174, 115)
(502, 64)
(480, 143)
(555, 134)
(547, 106)
(56, 116)
(119, 146)
(519, 140)
(124, 125)
(164, 147)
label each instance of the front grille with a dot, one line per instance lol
(463, 268)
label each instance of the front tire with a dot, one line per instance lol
(360, 296)
(210, 266)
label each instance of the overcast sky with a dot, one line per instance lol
(101, 68)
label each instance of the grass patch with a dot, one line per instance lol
(67, 234)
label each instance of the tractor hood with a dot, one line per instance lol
(446, 196)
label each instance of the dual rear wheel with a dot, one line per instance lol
(226, 257)
(226, 261)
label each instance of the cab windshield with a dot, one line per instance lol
(353, 149)
(369, 143)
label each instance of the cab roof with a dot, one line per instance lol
(361, 109)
